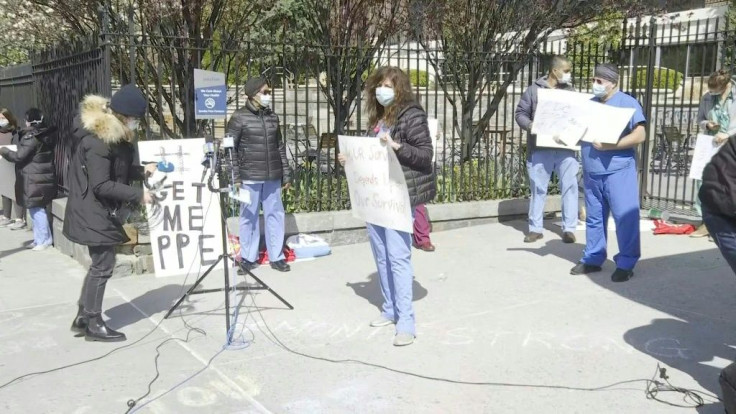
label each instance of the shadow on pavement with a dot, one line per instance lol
(151, 302)
(371, 291)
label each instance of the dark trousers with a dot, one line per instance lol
(723, 231)
(93, 288)
(10, 206)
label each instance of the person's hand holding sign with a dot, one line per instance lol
(390, 142)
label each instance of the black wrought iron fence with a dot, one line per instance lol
(480, 152)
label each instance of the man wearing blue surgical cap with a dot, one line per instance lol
(611, 184)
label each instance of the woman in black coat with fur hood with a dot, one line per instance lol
(100, 173)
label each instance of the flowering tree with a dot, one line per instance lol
(25, 26)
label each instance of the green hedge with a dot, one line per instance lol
(419, 77)
(663, 78)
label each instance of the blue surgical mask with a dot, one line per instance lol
(265, 100)
(599, 90)
(385, 95)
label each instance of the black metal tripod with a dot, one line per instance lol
(225, 257)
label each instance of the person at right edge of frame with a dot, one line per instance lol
(715, 115)
(541, 162)
(261, 165)
(100, 172)
(718, 200)
(611, 184)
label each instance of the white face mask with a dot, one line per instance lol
(599, 90)
(566, 78)
(4, 123)
(385, 95)
(133, 124)
(265, 100)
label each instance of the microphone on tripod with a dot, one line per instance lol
(209, 151)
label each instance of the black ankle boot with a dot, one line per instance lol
(98, 331)
(79, 324)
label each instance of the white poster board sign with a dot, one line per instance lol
(434, 125)
(378, 191)
(573, 116)
(186, 234)
(7, 175)
(705, 149)
(607, 123)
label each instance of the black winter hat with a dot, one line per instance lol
(254, 85)
(129, 101)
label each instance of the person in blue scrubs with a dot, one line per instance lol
(541, 162)
(611, 184)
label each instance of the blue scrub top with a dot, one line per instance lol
(608, 162)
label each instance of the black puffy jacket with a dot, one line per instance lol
(261, 149)
(35, 183)
(415, 154)
(99, 173)
(718, 190)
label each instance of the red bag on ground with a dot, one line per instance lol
(234, 241)
(661, 227)
(289, 256)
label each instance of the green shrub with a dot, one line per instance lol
(663, 78)
(484, 179)
(419, 77)
(314, 191)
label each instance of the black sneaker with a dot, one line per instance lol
(621, 275)
(245, 266)
(584, 269)
(532, 237)
(568, 237)
(281, 266)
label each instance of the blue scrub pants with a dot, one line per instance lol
(617, 193)
(268, 193)
(41, 228)
(540, 167)
(392, 253)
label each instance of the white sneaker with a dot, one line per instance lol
(4, 221)
(18, 225)
(403, 339)
(31, 246)
(41, 247)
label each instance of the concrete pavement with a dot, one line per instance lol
(490, 310)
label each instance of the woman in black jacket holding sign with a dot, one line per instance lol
(35, 184)
(399, 121)
(100, 171)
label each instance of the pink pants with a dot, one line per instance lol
(421, 225)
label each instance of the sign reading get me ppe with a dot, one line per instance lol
(210, 95)
(185, 230)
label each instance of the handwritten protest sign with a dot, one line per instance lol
(185, 229)
(705, 149)
(7, 175)
(572, 116)
(607, 123)
(378, 192)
